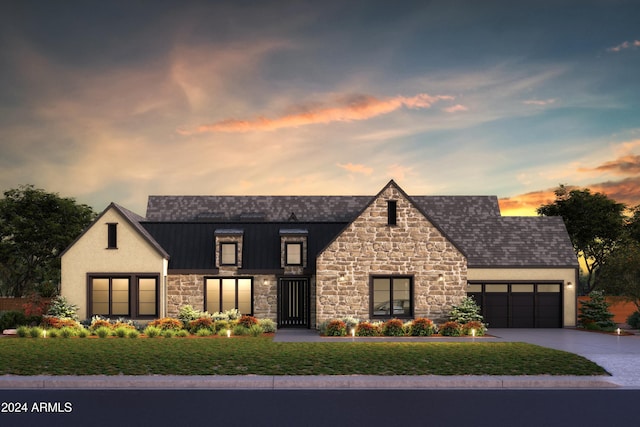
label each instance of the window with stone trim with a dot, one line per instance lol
(228, 253)
(226, 293)
(293, 253)
(391, 296)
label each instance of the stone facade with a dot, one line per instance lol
(369, 246)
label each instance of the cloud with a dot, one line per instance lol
(357, 168)
(526, 204)
(625, 165)
(540, 102)
(624, 45)
(455, 109)
(347, 109)
(399, 172)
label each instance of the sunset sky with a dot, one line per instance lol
(116, 100)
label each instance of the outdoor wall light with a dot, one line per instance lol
(265, 282)
(341, 277)
(440, 278)
(569, 285)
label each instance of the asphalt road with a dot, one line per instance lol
(157, 408)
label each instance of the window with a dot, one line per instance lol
(392, 207)
(229, 253)
(223, 294)
(131, 296)
(110, 296)
(391, 297)
(293, 253)
(112, 236)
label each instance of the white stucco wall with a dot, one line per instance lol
(89, 254)
(565, 275)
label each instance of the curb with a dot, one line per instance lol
(257, 382)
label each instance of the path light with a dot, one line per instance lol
(228, 333)
(473, 333)
(618, 331)
(353, 332)
(44, 333)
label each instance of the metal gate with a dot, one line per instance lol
(293, 303)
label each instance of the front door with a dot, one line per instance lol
(293, 303)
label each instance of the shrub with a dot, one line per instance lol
(232, 314)
(200, 323)
(102, 332)
(470, 327)
(221, 325)
(256, 330)
(83, 333)
(203, 332)
(22, 331)
(240, 330)
(268, 325)
(466, 311)
(152, 331)
(168, 333)
(223, 332)
(596, 310)
(52, 333)
(367, 329)
(59, 322)
(12, 319)
(62, 308)
(247, 321)
(451, 329)
(167, 323)
(187, 313)
(336, 328)
(67, 332)
(35, 306)
(121, 331)
(133, 333)
(634, 320)
(393, 328)
(182, 333)
(35, 332)
(99, 322)
(422, 327)
(350, 323)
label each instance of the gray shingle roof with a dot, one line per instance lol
(473, 223)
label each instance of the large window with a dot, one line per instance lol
(223, 294)
(127, 296)
(391, 297)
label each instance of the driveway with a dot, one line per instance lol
(619, 355)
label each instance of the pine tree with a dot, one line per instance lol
(595, 314)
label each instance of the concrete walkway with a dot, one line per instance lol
(620, 356)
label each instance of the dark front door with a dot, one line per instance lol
(293, 303)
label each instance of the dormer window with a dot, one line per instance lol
(293, 253)
(112, 236)
(229, 253)
(392, 214)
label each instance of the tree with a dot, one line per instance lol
(632, 225)
(595, 314)
(621, 274)
(35, 227)
(594, 222)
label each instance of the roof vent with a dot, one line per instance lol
(293, 217)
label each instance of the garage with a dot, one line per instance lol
(519, 305)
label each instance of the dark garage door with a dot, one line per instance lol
(519, 305)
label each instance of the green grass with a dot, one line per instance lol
(261, 356)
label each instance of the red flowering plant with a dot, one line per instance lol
(201, 323)
(167, 323)
(422, 327)
(367, 329)
(393, 328)
(336, 328)
(474, 328)
(451, 329)
(52, 322)
(247, 321)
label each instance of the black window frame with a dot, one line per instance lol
(221, 302)
(392, 212)
(133, 294)
(299, 250)
(391, 299)
(112, 235)
(235, 254)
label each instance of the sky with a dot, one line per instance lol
(114, 101)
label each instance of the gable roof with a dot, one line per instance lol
(472, 223)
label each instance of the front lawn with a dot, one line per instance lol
(261, 356)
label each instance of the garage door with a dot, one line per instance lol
(519, 305)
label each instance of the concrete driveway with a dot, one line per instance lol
(619, 355)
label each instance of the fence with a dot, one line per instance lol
(16, 304)
(620, 308)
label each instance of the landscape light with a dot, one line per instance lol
(228, 333)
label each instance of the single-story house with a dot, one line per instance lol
(303, 260)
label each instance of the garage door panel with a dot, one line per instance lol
(497, 310)
(522, 310)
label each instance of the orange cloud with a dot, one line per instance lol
(352, 108)
(624, 45)
(365, 170)
(526, 204)
(540, 102)
(625, 165)
(455, 108)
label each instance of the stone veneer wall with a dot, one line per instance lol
(188, 289)
(371, 247)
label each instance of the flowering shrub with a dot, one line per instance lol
(99, 322)
(167, 323)
(422, 327)
(393, 328)
(187, 313)
(268, 325)
(336, 328)
(247, 321)
(58, 323)
(451, 329)
(469, 328)
(367, 329)
(201, 323)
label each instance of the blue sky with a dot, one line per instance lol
(113, 101)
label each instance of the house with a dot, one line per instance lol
(302, 260)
